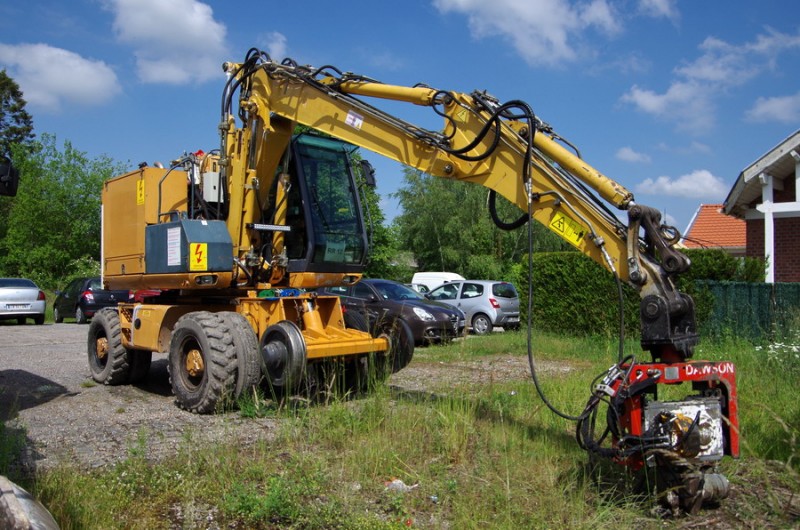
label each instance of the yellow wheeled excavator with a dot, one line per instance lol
(224, 249)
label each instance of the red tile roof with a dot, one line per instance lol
(710, 228)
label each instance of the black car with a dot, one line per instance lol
(429, 321)
(83, 297)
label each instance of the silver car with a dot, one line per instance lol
(486, 303)
(21, 299)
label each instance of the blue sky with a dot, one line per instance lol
(670, 98)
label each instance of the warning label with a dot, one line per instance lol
(139, 192)
(198, 256)
(567, 228)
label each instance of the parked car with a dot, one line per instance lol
(83, 297)
(21, 299)
(429, 321)
(486, 303)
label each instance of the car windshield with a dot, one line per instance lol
(504, 290)
(396, 291)
(16, 282)
(94, 285)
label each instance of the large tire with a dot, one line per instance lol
(355, 320)
(140, 361)
(202, 362)
(481, 324)
(283, 350)
(108, 358)
(401, 348)
(58, 318)
(80, 316)
(248, 356)
(356, 371)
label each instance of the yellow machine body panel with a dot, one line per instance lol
(131, 202)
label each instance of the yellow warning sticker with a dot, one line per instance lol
(198, 256)
(567, 228)
(140, 192)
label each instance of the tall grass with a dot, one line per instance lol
(485, 455)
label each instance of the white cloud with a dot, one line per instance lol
(53, 77)
(698, 184)
(721, 67)
(174, 42)
(275, 44)
(660, 8)
(552, 28)
(627, 154)
(688, 104)
(785, 109)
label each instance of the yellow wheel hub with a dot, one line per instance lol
(102, 348)
(194, 363)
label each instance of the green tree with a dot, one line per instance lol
(384, 249)
(54, 221)
(16, 125)
(447, 226)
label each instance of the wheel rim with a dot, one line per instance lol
(283, 351)
(101, 350)
(192, 362)
(480, 325)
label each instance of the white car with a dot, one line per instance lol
(21, 299)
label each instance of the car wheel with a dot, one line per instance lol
(202, 364)
(57, 316)
(80, 316)
(21, 321)
(481, 324)
(38, 320)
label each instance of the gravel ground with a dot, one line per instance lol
(46, 390)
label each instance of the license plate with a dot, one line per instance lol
(18, 306)
(513, 319)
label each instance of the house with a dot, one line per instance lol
(711, 228)
(765, 196)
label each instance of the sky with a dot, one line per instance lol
(672, 99)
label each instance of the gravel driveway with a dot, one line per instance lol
(47, 392)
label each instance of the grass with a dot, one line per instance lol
(476, 456)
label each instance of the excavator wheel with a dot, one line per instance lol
(109, 360)
(401, 348)
(248, 357)
(283, 350)
(202, 362)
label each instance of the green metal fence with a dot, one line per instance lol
(750, 310)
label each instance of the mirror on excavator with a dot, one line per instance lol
(9, 177)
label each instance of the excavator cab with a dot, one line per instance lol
(323, 212)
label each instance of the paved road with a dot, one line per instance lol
(47, 394)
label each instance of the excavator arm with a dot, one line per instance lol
(503, 147)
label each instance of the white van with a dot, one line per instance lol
(432, 280)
